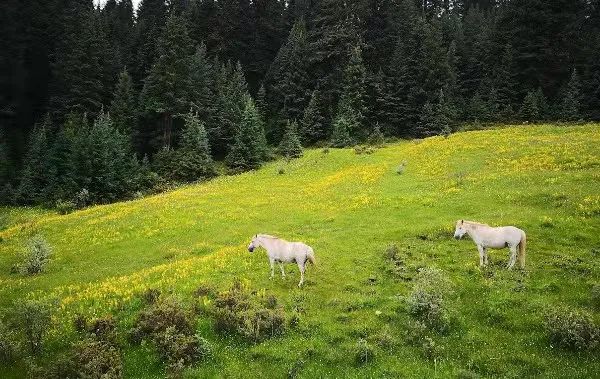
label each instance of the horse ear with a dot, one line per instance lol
(462, 221)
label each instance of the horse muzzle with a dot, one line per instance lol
(251, 249)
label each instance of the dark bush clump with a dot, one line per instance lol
(157, 317)
(572, 330)
(89, 359)
(8, 344)
(150, 295)
(32, 319)
(170, 326)
(65, 207)
(179, 349)
(596, 296)
(364, 353)
(240, 312)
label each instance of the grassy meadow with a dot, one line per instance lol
(544, 179)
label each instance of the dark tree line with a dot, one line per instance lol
(113, 101)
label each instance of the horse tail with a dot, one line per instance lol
(311, 257)
(522, 245)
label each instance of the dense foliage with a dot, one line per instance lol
(337, 68)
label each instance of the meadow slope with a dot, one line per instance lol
(544, 179)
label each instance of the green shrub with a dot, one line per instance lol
(176, 348)
(82, 199)
(596, 296)
(151, 295)
(572, 330)
(8, 344)
(89, 359)
(35, 257)
(364, 352)
(426, 301)
(65, 207)
(240, 312)
(325, 151)
(157, 317)
(103, 329)
(32, 319)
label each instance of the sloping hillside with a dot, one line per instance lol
(349, 207)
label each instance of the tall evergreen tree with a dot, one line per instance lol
(61, 166)
(34, 175)
(248, 149)
(151, 19)
(193, 159)
(166, 90)
(529, 109)
(290, 146)
(340, 136)
(286, 79)
(313, 127)
(203, 87)
(352, 102)
(123, 108)
(571, 99)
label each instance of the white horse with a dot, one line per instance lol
(486, 236)
(282, 251)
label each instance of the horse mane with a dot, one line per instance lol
(475, 223)
(267, 236)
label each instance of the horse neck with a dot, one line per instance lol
(472, 230)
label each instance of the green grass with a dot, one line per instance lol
(543, 179)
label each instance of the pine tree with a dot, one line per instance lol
(123, 109)
(478, 108)
(571, 99)
(150, 21)
(313, 127)
(167, 87)
(434, 118)
(248, 150)
(542, 103)
(290, 146)
(34, 175)
(352, 102)
(193, 160)
(286, 79)
(376, 138)
(341, 132)
(504, 81)
(529, 109)
(203, 84)
(61, 167)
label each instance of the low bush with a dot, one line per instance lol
(364, 352)
(401, 168)
(36, 256)
(89, 359)
(179, 349)
(596, 296)
(65, 207)
(151, 295)
(426, 301)
(8, 344)
(32, 319)
(160, 315)
(572, 330)
(241, 312)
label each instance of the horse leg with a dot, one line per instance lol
(485, 256)
(282, 272)
(481, 255)
(301, 267)
(272, 261)
(513, 256)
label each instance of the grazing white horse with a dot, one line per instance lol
(282, 251)
(486, 237)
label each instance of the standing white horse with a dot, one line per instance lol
(486, 236)
(282, 251)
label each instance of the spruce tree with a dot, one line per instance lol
(202, 86)
(7, 193)
(286, 79)
(61, 166)
(341, 132)
(542, 103)
(352, 102)
(571, 99)
(193, 160)
(34, 175)
(290, 146)
(376, 138)
(167, 87)
(505, 83)
(123, 110)
(248, 150)
(529, 109)
(150, 21)
(434, 118)
(313, 127)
